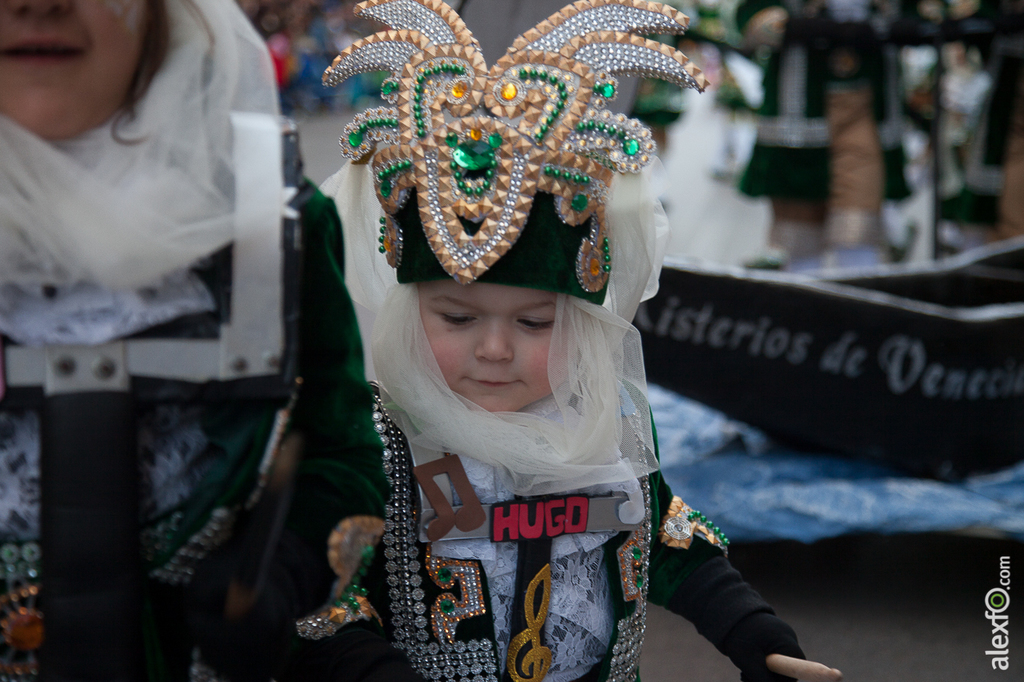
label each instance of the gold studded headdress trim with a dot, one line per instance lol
(477, 144)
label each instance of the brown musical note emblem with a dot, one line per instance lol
(533, 664)
(469, 517)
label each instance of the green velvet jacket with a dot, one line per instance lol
(340, 473)
(791, 156)
(437, 610)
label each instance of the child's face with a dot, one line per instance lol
(66, 65)
(490, 340)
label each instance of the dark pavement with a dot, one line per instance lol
(879, 608)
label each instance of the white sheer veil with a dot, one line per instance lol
(595, 427)
(124, 215)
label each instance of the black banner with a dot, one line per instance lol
(917, 367)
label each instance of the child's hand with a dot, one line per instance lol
(753, 639)
(809, 671)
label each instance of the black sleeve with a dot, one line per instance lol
(253, 648)
(353, 655)
(735, 618)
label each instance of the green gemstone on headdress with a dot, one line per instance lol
(475, 156)
(605, 90)
(444, 575)
(631, 147)
(355, 138)
(495, 140)
(385, 188)
(389, 87)
(451, 139)
(447, 606)
(579, 202)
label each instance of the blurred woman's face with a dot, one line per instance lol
(66, 66)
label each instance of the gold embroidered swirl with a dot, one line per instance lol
(536, 661)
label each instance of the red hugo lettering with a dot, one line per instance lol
(537, 518)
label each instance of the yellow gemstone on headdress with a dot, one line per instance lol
(458, 90)
(509, 91)
(475, 134)
(595, 267)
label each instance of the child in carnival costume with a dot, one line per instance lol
(503, 229)
(143, 397)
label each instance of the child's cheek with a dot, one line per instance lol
(447, 353)
(128, 12)
(539, 365)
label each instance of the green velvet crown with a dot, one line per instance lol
(544, 256)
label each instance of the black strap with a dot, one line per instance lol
(92, 567)
(528, 659)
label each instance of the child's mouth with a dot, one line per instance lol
(42, 53)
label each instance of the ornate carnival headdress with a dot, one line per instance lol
(480, 148)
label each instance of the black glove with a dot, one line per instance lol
(254, 648)
(735, 618)
(353, 655)
(752, 639)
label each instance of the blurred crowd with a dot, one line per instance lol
(304, 36)
(739, 44)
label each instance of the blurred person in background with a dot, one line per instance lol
(829, 144)
(993, 196)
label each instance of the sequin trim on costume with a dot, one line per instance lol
(181, 567)
(21, 622)
(447, 610)
(683, 522)
(199, 671)
(327, 622)
(436, 658)
(629, 631)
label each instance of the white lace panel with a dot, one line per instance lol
(580, 618)
(173, 459)
(19, 475)
(86, 314)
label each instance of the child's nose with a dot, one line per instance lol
(495, 345)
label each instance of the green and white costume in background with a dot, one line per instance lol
(791, 155)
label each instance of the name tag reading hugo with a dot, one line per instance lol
(532, 519)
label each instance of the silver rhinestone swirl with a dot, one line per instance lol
(605, 18)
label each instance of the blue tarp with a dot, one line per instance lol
(755, 490)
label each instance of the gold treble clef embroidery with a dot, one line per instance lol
(534, 664)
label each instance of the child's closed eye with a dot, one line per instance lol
(456, 318)
(535, 324)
